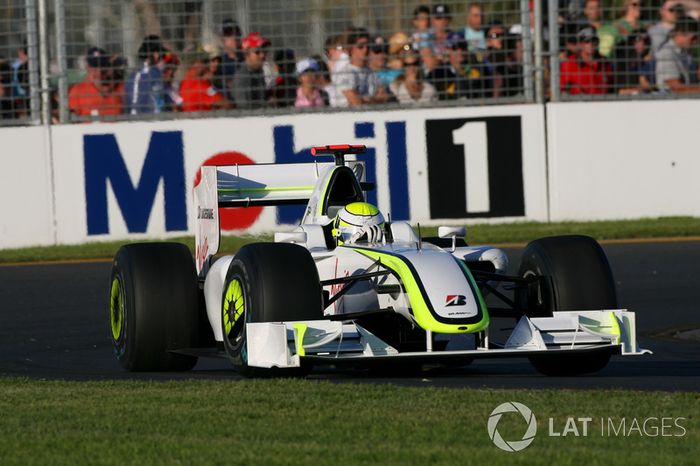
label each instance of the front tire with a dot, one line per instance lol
(268, 282)
(153, 306)
(576, 276)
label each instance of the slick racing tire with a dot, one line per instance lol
(153, 306)
(576, 276)
(268, 282)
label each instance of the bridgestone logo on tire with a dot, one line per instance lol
(515, 445)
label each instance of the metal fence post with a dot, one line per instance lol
(555, 91)
(317, 32)
(129, 28)
(539, 66)
(44, 64)
(527, 49)
(242, 15)
(206, 31)
(33, 52)
(60, 18)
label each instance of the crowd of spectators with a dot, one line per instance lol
(432, 61)
(627, 56)
(435, 59)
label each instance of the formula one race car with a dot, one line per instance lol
(350, 287)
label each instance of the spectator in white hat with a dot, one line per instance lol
(308, 95)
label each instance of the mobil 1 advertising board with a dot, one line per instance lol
(434, 166)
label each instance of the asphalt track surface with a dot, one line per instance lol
(53, 325)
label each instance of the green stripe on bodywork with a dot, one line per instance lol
(260, 190)
(417, 300)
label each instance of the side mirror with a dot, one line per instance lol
(290, 237)
(452, 232)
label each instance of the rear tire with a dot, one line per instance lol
(577, 276)
(153, 306)
(268, 282)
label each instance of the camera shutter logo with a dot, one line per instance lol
(515, 445)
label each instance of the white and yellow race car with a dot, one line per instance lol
(350, 287)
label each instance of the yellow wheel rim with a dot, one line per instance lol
(234, 304)
(116, 309)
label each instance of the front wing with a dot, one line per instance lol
(288, 344)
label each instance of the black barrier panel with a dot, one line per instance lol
(475, 167)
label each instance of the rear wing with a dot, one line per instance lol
(248, 186)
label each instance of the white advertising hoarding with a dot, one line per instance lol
(617, 160)
(26, 216)
(134, 180)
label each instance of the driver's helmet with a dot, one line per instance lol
(354, 220)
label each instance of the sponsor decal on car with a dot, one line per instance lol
(455, 300)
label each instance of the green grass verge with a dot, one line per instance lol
(300, 422)
(476, 234)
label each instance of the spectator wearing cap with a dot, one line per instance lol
(587, 72)
(378, 62)
(660, 32)
(422, 34)
(355, 81)
(197, 91)
(676, 68)
(144, 90)
(442, 35)
(94, 96)
(411, 88)
(592, 18)
(474, 32)
(249, 89)
(567, 40)
(399, 44)
(308, 94)
(230, 57)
